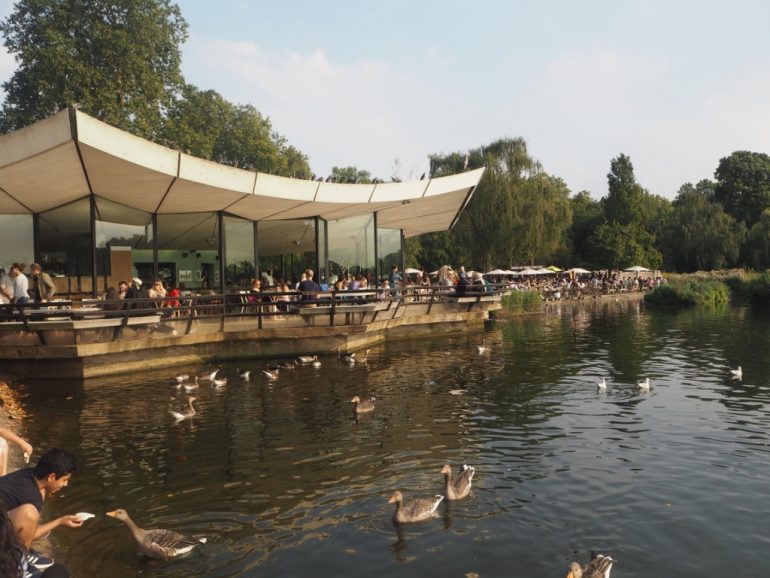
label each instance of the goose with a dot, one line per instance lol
(460, 487)
(349, 358)
(180, 378)
(245, 376)
(599, 567)
(188, 387)
(316, 363)
(209, 375)
(287, 365)
(737, 373)
(414, 511)
(159, 544)
(644, 385)
(481, 348)
(365, 357)
(220, 382)
(602, 385)
(271, 374)
(307, 359)
(363, 405)
(185, 412)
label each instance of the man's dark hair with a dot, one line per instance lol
(55, 461)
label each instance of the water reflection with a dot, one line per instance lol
(284, 477)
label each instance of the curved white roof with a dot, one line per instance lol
(70, 155)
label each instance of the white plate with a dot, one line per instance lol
(83, 516)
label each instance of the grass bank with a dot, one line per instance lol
(714, 287)
(518, 302)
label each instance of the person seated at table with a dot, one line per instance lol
(157, 291)
(112, 300)
(283, 300)
(172, 297)
(255, 291)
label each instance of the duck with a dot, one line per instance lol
(460, 487)
(644, 385)
(363, 405)
(602, 385)
(307, 359)
(271, 374)
(185, 412)
(737, 373)
(600, 566)
(245, 376)
(416, 510)
(159, 544)
(482, 348)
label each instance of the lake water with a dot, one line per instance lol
(284, 480)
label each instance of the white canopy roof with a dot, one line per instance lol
(70, 155)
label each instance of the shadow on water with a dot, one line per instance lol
(283, 477)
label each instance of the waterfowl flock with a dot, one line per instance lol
(166, 544)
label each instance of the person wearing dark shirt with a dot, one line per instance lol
(309, 288)
(24, 491)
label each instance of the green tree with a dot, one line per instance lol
(623, 203)
(587, 215)
(618, 246)
(350, 175)
(701, 235)
(119, 60)
(743, 185)
(758, 242)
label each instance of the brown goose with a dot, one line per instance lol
(460, 487)
(160, 544)
(416, 510)
(363, 405)
(185, 412)
(599, 567)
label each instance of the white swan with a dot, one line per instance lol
(602, 385)
(644, 385)
(737, 373)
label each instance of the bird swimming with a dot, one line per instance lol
(600, 566)
(602, 385)
(737, 373)
(644, 385)
(460, 487)
(363, 405)
(414, 511)
(159, 544)
(186, 412)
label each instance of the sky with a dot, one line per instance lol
(676, 85)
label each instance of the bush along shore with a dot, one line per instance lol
(712, 288)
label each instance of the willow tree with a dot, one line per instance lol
(118, 60)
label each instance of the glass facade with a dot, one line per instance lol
(188, 252)
(351, 247)
(239, 253)
(286, 249)
(183, 250)
(64, 246)
(388, 251)
(123, 238)
(16, 240)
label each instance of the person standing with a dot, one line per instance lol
(20, 285)
(6, 288)
(43, 287)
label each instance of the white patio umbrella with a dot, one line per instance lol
(636, 269)
(497, 272)
(578, 271)
(529, 271)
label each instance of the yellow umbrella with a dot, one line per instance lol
(554, 268)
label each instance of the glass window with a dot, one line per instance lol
(286, 248)
(239, 253)
(64, 242)
(16, 240)
(123, 242)
(188, 252)
(351, 247)
(388, 251)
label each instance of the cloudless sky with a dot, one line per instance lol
(675, 85)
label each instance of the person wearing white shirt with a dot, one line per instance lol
(20, 285)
